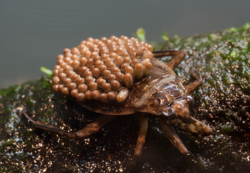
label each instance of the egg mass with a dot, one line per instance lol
(104, 69)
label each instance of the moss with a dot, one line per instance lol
(141, 34)
(227, 128)
(46, 71)
(8, 91)
(223, 59)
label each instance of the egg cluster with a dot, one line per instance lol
(102, 69)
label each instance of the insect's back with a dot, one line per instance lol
(156, 91)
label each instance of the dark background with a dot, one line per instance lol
(33, 33)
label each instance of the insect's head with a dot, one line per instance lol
(179, 108)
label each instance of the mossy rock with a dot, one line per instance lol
(222, 103)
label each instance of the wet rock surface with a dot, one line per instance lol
(222, 102)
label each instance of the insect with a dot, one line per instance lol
(120, 76)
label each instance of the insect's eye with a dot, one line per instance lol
(190, 101)
(169, 113)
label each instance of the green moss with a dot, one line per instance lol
(227, 128)
(141, 34)
(165, 36)
(46, 71)
(8, 91)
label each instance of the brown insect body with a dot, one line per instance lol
(153, 94)
(136, 84)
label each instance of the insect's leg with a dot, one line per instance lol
(95, 126)
(86, 131)
(141, 138)
(172, 136)
(178, 56)
(192, 125)
(197, 83)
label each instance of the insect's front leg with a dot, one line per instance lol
(192, 125)
(196, 84)
(178, 56)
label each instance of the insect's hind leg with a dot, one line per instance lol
(195, 84)
(86, 131)
(141, 139)
(178, 56)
